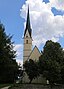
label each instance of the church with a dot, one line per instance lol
(28, 52)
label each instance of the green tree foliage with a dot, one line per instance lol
(31, 68)
(8, 65)
(51, 62)
(62, 69)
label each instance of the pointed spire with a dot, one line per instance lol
(28, 27)
(28, 19)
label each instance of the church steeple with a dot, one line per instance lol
(28, 27)
(27, 39)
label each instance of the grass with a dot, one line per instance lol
(34, 86)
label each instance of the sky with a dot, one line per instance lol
(46, 17)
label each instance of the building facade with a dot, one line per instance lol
(27, 39)
(28, 52)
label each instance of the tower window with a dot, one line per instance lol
(26, 36)
(26, 41)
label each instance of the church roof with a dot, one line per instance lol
(35, 53)
(28, 27)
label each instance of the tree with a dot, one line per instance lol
(62, 69)
(50, 61)
(8, 65)
(31, 68)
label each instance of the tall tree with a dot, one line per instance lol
(31, 68)
(8, 65)
(62, 69)
(50, 61)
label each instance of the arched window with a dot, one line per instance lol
(26, 41)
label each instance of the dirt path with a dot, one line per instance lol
(5, 87)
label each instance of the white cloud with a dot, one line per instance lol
(17, 46)
(19, 61)
(59, 4)
(19, 51)
(44, 24)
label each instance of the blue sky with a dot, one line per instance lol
(10, 17)
(14, 23)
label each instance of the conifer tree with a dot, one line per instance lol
(8, 65)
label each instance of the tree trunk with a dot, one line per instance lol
(30, 81)
(51, 85)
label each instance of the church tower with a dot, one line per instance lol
(27, 39)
